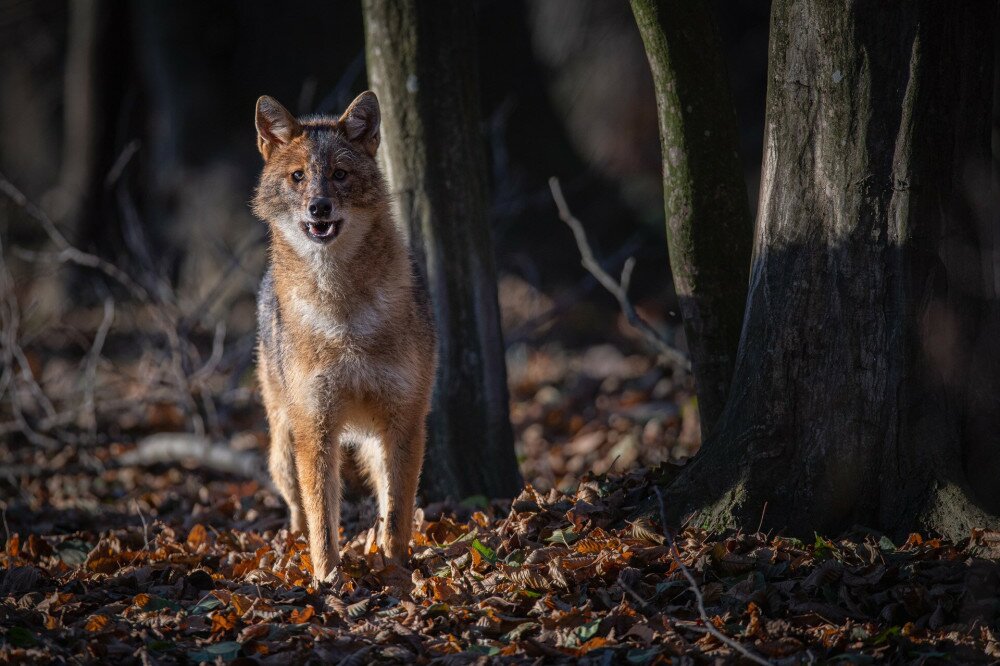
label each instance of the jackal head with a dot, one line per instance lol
(320, 186)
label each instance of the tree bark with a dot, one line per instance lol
(864, 393)
(422, 66)
(709, 227)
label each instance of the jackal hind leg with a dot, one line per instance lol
(393, 462)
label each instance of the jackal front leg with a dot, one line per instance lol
(317, 461)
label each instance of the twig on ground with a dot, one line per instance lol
(699, 598)
(763, 512)
(89, 413)
(643, 604)
(145, 527)
(145, 533)
(617, 288)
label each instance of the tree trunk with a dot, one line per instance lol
(865, 390)
(99, 73)
(422, 65)
(709, 227)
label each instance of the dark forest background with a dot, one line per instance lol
(130, 124)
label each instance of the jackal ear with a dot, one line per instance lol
(361, 121)
(275, 125)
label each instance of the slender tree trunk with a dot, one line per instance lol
(709, 227)
(860, 392)
(422, 65)
(101, 108)
(98, 74)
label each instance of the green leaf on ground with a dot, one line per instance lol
(488, 554)
(226, 651)
(476, 502)
(583, 633)
(73, 552)
(565, 536)
(21, 637)
(209, 603)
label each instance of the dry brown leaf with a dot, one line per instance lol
(223, 621)
(13, 545)
(302, 616)
(241, 603)
(97, 623)
(197, 537)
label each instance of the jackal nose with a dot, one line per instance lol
(320, 208)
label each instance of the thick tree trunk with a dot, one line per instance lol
(709, 227)
(863, 390)
(422, 65)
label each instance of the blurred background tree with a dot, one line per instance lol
(180, 76)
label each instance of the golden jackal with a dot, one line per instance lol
(347, 347)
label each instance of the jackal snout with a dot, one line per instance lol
(320, 209)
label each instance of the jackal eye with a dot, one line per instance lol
(297, 176)
(339, 174)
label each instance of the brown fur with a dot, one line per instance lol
(347, 347)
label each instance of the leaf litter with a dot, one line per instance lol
(106, 561)
(550, 577)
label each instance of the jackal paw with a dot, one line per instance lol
(335, 577)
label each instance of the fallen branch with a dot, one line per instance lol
(699, 598)
(617, 288)
(178, 448)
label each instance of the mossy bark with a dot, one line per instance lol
(422, 65)
(864, 393)
(709, 226)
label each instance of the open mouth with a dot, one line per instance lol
(323, 232)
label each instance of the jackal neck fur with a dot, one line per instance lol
(355, 291)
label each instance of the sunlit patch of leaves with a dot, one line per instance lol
(549, 576)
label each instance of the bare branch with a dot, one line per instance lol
(618, 289)
(128, 152)
(13, 356)
(565, 301)
(177, 369)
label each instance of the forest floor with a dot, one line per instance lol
(109, 558)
